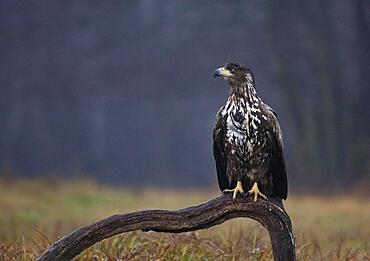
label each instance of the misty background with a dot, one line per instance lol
(122, 91)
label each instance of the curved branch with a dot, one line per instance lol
(216, 211)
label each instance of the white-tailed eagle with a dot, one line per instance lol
(247, 140)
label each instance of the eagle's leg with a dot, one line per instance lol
(238, 188)
(256, 192)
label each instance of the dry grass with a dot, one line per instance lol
(35, 213)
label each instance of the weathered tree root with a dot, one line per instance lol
(216, 211)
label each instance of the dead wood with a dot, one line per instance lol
(216, 211)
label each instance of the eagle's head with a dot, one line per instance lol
(235, 74)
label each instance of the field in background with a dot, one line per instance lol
(35, 213)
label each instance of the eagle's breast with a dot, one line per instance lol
(243, 122)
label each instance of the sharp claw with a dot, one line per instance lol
(256, 192)
(238, 188)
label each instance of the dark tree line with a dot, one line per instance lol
(123, 90)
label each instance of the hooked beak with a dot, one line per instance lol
(222, 72)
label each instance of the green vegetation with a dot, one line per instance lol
(35, 213)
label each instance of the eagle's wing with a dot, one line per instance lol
(277, 167)
(219, 152)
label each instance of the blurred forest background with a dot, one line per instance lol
(122, 91)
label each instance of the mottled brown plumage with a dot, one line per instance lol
(247, 140)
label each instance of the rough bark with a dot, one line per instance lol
(269, 213)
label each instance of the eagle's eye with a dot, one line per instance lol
(232, 70)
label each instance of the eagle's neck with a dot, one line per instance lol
(243, 94)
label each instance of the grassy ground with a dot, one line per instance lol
(35, 213)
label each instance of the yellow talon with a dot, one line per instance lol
(256, 192)
(238, 188)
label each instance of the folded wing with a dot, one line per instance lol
(219, 152)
